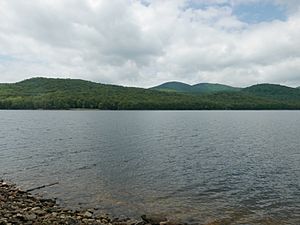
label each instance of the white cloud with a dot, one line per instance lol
(143, 43)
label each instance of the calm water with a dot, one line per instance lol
(237, 166)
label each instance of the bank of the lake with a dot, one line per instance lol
(21, 207)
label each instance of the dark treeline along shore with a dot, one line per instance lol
(46, 93)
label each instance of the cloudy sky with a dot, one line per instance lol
(147, 42)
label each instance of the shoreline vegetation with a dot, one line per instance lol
(49, 93)
(21, 207)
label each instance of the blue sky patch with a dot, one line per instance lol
(249, 12)
(203, 5)
(261, 11)
(5, 58)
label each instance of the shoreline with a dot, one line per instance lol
(21, 207)
(155, 110)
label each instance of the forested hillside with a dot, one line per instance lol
(46, 93)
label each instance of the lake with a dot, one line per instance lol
(198, 166)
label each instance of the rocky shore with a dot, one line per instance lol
(21, 207)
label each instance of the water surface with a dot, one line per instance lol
(238, 167)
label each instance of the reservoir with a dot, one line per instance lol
(239, 167)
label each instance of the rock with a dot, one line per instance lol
(20, 216)
(172, 222)
(154, 219)
(72, 221)
(35, 208)
(39, 212)
(87, 214)
(105, 220)
(140, 222)
(30, 216)
(163, 223)
(131, 222)
(20, 207)
(121, 223)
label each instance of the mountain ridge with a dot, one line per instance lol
(274, 91)
(167, 86)
(57, 93)
(172, 86)
(196, 88)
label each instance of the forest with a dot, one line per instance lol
(50, 93)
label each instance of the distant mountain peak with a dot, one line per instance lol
(33, 79)
(176, 86)
(274, 91)
(266, 86)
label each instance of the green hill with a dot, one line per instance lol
(212, 88)
(45, 93)
(274, 91)
(173, 86)
(201, 88)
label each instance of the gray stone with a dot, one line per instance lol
(40, 212)
(88, 214)
(154, 219)
(30, 216)
(35, 208)
(19, 215)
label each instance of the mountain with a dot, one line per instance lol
(274, 91)
(46, 93)
(173, 86)
(212, 88)
(202, 88)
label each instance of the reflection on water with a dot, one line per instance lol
(211, 167)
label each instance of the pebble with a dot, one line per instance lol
(154, 219)
(87, 214)
(30, 216)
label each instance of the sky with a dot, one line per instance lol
(147, 42)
